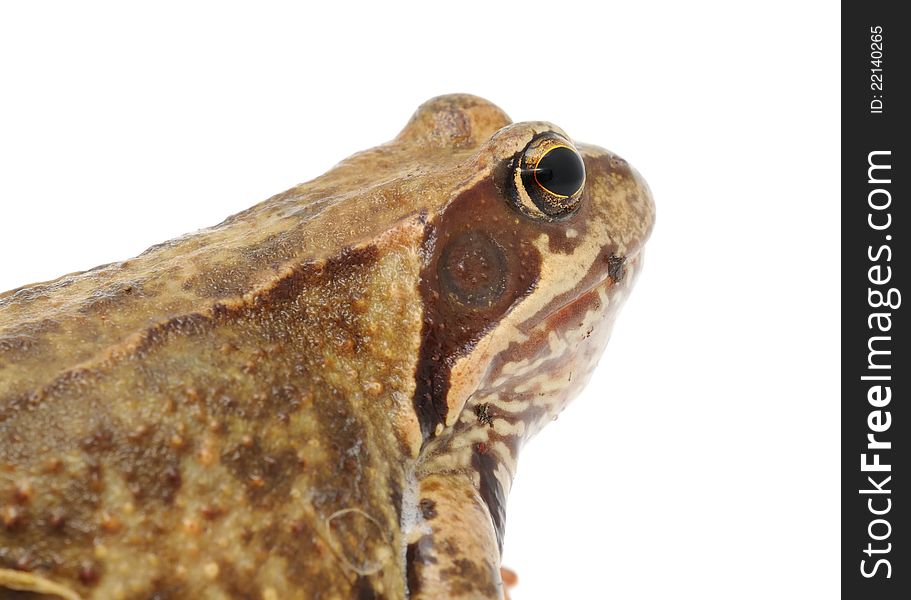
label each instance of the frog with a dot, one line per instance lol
(325, 395)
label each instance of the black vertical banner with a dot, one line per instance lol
(876, 373)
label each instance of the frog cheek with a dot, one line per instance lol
(473, 270)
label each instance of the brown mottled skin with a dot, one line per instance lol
(322, 396)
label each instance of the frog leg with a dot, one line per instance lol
(452, 551)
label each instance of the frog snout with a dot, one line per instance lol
(621, 201)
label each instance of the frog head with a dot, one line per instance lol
(526, 262)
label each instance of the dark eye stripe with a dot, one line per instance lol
(560, 171)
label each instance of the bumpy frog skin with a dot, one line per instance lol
(324, 395)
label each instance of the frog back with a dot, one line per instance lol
(213, 427)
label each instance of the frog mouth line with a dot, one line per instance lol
(614, 277)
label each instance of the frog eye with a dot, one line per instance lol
(548, 177)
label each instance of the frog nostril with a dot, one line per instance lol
(616, 266)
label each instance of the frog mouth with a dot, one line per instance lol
(619, 268)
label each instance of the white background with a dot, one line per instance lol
(702, 460)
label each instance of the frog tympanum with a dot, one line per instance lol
(324, 395)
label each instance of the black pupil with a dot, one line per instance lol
(561, 171)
